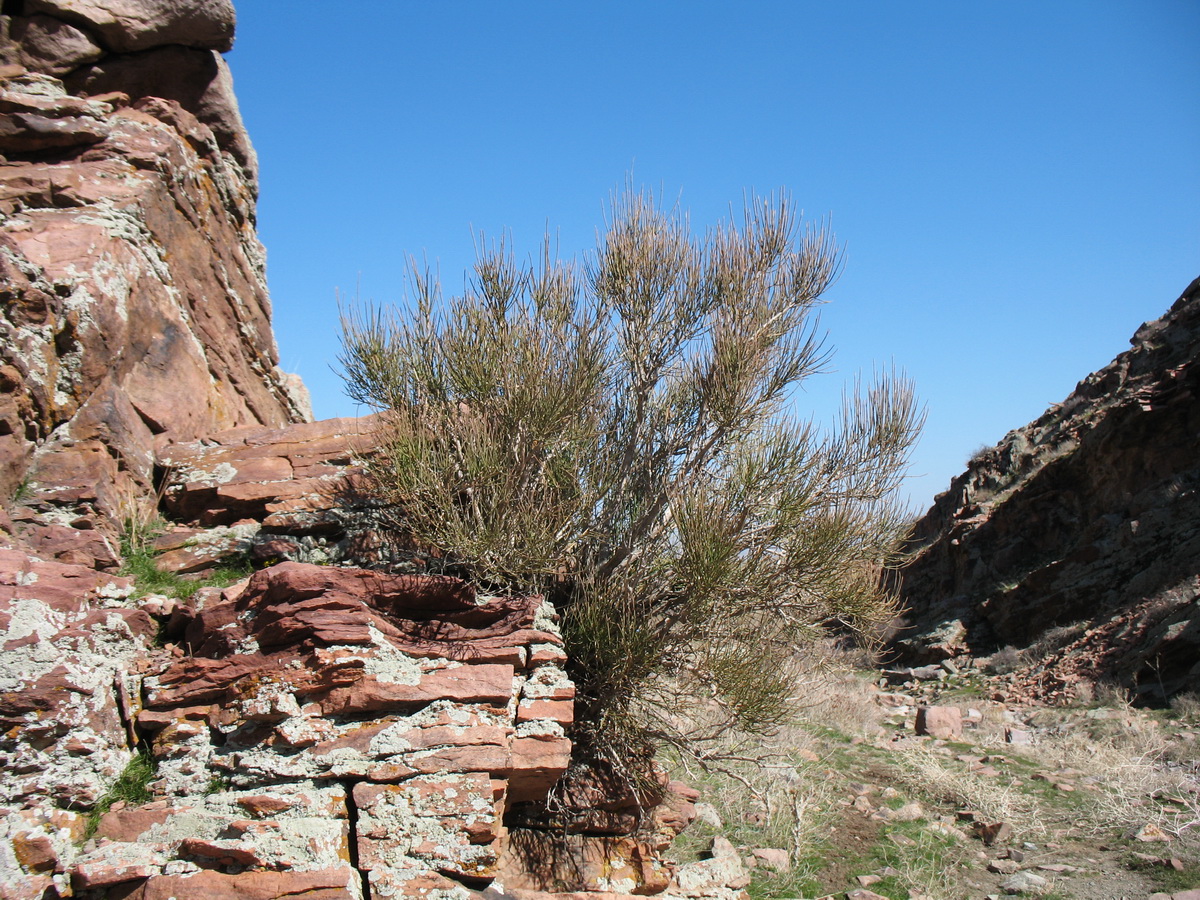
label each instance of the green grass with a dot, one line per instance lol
(149, 579)
(131, 787)
(22, 490)
(962, 687)
(799, 881)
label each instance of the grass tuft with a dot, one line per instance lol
(149, 579)
(131, 787)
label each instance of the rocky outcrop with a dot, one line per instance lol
(329, 723)
(134, 303)
(341, 722)
(332, 716)
(316, 730)
(1077, 537)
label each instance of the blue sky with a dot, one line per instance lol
(1017, 185)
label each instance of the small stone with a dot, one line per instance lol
(35, 852)
(722, 848)
(1023, 883)
(1017, 736)
(707, 813)
(864, 894)
(867, 880)
(942, 722)
(909, 812)
(773, 858)
(1004, 866)
(1150, 833)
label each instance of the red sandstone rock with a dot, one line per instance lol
(342, 883)
(154, 327)
(245, 470)
(553, 861)
(410, 881)
(561, 711)
(944, 722)
(265, 805)
(129, 824)
(467, 684)
(449, 822)
(126, 27)
(35, 852)
(101, 874)
(51, 45)
(537, 764)
(993, 833)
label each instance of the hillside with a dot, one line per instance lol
(1075, 541)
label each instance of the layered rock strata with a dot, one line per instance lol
(133, 301)
(1077, 537)
(294, 493)
(340, 726)
(316, 730)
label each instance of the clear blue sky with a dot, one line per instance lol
(1017, 184)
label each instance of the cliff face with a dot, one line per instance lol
(1078, 534)
(133, 301)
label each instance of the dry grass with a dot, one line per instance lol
(775, 791)
(1187, 707)
(937, 778)
(776, 800)
(1138, 783)
(925, 871)
(832, 693)
(138, 514)
(1129, 767)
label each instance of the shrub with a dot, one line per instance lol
(620, 434)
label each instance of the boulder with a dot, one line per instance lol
(124, 26)
(51, 45)
(943, 722)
